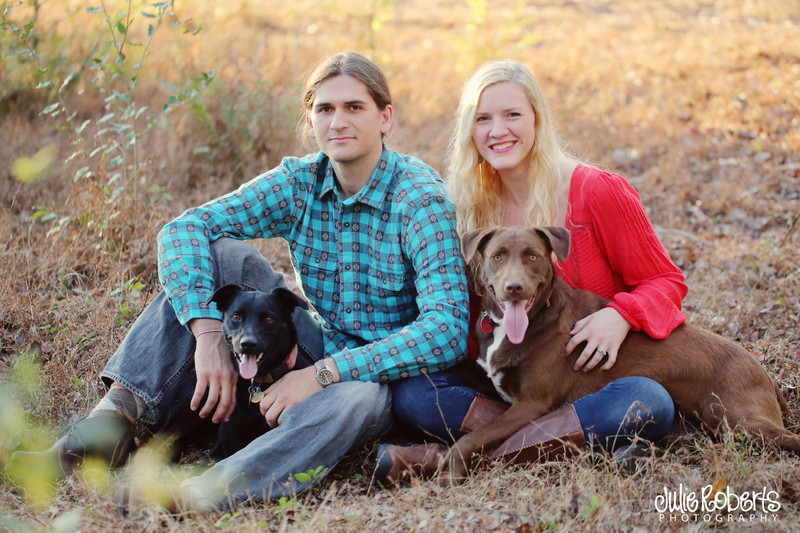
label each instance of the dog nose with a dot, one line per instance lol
(248, 345)
(514, 288)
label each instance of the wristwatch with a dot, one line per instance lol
(324, 374)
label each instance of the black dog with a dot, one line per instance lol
(263, 340)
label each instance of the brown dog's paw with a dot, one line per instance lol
(455, 468)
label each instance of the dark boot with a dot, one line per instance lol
(556, 435)
(106, 435)
(632, 457)
(400, 463)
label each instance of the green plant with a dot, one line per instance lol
(18, 431)
(109, 166)
(745, 451)
(594, 503)
(117, 68)
(227, 520)
(312, 476)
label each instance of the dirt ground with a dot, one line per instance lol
(696, 102)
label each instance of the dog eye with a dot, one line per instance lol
(533, 257)
(269, 320)
(497, 257)
(236, 317)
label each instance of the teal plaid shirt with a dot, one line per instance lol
(383, 268)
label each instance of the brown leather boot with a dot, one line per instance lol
(106, 435)
(556, 435)
(481, 412)
(399, 463)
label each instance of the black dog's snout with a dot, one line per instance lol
(248, 344)
(514, 288)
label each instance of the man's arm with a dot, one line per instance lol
(437, 338)
(186, 273)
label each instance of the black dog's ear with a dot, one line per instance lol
(557, 238)
(473, 242)
(224, 296)
(289, 299)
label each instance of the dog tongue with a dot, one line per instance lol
(248, 367)
(515, 321)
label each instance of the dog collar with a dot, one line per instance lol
(291, 358)
(283, 368)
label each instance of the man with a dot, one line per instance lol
(372, 236)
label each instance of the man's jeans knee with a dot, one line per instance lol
(313, 435)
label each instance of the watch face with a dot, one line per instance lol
(325, 377)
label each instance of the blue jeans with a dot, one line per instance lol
(156, 362)
(433, 408)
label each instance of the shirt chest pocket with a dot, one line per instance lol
(391, 292)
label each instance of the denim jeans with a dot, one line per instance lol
(433, 408)
(156, 362)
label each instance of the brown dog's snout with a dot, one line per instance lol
(514, 289)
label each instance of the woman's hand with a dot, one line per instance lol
(604, 331)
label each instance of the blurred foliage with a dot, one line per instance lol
(107, 62)
(18, 431)
(28, 169)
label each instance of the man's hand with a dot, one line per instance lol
(215, 373)
(604, 332)
(290, 390)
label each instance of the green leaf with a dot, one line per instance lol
(94, 9)
(150, 30)
(44, 84)
(68, 80)
(106, 118)
(121, 28)
(49, 109)
(81, 173)
(302, 477)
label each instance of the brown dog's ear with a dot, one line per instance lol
(557, 238)
(473, 242)
(224, 296)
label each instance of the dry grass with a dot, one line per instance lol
(696, 101)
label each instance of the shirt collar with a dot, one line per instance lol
(374, 192)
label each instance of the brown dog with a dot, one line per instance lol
(706, 375)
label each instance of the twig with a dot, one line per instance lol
(792, 227)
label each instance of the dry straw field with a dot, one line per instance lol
(697, 102)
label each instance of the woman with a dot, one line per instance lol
(506, 167)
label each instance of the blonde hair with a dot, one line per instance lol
(474, 184)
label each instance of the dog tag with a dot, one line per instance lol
(487, 326)
(256, 394)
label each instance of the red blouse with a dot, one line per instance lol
(616, 253)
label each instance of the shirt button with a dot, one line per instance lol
(346, 224)
(348, 310)
(347, 267)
